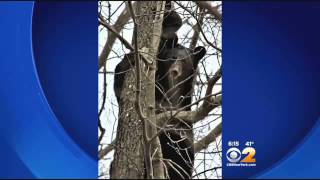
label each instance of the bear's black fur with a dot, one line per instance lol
(120, 72)
(176, 67)
(175, 76)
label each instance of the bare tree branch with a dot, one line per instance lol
(212, 10)
(173, 165)
(124, 41)
(191, 116)
(200, 28)
(215, 168)
(208, 139)
(107, 149)
(196, 30)
(103, 130)
(118, 26)
(210, 102)
(115, 34)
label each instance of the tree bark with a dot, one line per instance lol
(128, 158)
(136, 125)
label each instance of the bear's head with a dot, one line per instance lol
(175, 75)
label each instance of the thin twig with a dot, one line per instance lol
(212, 10)
(200, 28)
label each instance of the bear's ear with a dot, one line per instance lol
(198, 54)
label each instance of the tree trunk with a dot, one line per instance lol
(133, 150)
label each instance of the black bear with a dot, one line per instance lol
(176, 68)
(120, 71)
(174, 85)
(174, 81)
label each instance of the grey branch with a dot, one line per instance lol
(107, 149)
(200, 28)
(212, 10)
(124, 41)
(210, 103)
(208, 139)
(191, 116)
(116, 34)
(118, 26)
(196, 29)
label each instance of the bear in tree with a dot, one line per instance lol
(176, 69)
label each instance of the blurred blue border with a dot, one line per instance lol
(271, 85)
(303, 162)
(35, 141)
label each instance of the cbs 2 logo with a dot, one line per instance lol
(234, 155)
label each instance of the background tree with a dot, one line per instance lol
(133, 124)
